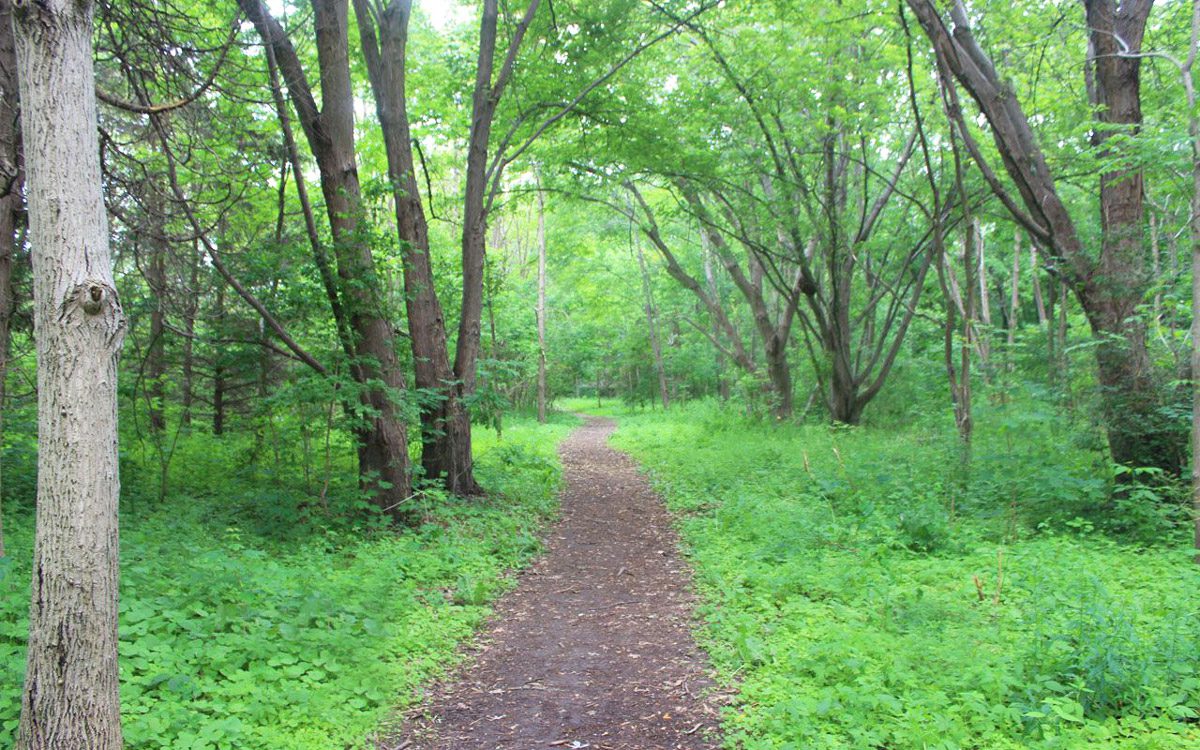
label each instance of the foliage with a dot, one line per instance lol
(250, 618)
(855, 606)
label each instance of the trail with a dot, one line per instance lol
(593, 648)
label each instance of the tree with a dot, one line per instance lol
(1109, 284)
(445, 421)
(11, 178)
(540, 308)
(329, 130)
(70, 698)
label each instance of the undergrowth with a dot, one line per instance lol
(255, 616)
(863, 592)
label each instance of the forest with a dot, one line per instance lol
(626, 374)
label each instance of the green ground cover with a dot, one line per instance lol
(252, 619)
(861, 594)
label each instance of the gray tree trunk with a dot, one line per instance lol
(652, 324)
(1014, 292)
(70, 699)
(1194, 131)
(541, 308)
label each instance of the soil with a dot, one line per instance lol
(593, 649)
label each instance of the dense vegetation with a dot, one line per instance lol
(859, 595)
(893, 301)
(255, 615)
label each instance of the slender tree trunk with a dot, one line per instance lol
(489, 88)
(71, 698)
(970, 336)
(710, 280)
(218, 392)
(1014, 294)
(985, 300)
(652, 328)
(1194, 132)
(12, 176)
(1038, 299)
(189, 329)
(541, 307)
(155, 271)
(1156, 268)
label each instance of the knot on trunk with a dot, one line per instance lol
(93, 296)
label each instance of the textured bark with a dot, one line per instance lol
(489, 88)
(70, 699)
(445, 423)
(1014, 294)
(1122, 277)
(383, 440)
(218, 380)
(11, 183)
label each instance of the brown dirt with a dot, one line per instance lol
(593, 648)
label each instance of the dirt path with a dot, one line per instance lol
(593, 649)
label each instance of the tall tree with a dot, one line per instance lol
(11, 178)
(1109, 284)
(651, 311)
(445, 421)
(540, 309)
(329, 130)
(71, 698)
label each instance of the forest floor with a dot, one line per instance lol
(593, 649)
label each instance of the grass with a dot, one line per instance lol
(862, 594)
(252, 620)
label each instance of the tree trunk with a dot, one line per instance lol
(1155, 269)
(383, 438)
(155, 272)
(652, 326)
(489, 88)
(11, 180)
(985, 300)
(1038, 299)
(71, 698)
(218, 388)
(1136, 435)
(710, 281)
(1111, 287)
(541, 308)
(445, 423)
(1014, 294)
(189, 329)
